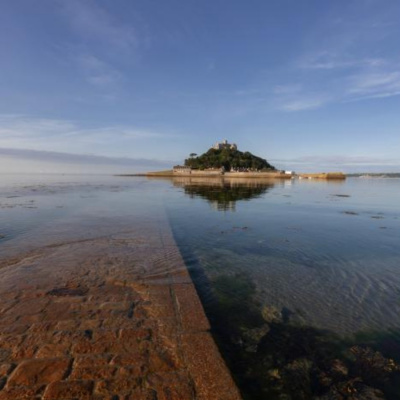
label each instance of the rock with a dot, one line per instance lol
(353, 389)
(297, 374)
(372, 366)
(271, 314)
(119, 385)
(39, 372)
(324, 380)
(68, 291)
(350, 213)
(5, 369)
(69, 390)
(253, 336)
(274, 373)
(338, 370)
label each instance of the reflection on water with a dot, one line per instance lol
(301, 284)
(223, 193)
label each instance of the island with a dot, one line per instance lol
(224, 159)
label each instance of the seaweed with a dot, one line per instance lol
(270, 357)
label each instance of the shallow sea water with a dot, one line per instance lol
(323, 255)
(329, 252)
(40, 210)
(300, 280)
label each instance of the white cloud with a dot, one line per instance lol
(102, 42)
(330, 60)
(347, 57)
(288, 89)
(374, 96)
(23, 132)
(94, 23)
(343, 163)
(98, 72)
(326, 61)
(375, 84)
(32, 161)
(20, 127)
(342, 160)
(372, 79)
(302, 104)
(51, 156)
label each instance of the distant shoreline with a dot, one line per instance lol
(219, 174)
(375, 175)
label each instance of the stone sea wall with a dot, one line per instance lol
(115, 317)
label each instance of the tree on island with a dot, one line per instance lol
(229, 159)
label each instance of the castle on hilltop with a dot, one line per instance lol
(224, 145)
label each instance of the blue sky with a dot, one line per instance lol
(309, 85)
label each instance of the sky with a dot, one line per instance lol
(130, 85)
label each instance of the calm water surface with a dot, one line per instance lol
(41, 210)
(294, 257)
(300, 280)
(329, 252)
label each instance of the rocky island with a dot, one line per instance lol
(227, 158)
(224, 159)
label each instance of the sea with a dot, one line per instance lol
(294, 275)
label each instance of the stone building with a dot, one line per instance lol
(224, 145)
(181, 169)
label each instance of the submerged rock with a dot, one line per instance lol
(350, 213)
(373, 367)
(252, 337)
(338, 370)
(353, 389)
(297, 376)
(271, 314)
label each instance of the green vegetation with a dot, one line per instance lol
(229, 159)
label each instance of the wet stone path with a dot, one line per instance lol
(108, 318)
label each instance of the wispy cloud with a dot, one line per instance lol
(302, 103)
(59, 157)
(339, 163)
(297, 97)
(95, 24)
(288, 89)
(24, 132)
(340, 160)
(372, 80)
(98, 72)
(102, 43)
(19, 127)
(346, 58)
(326, 60)
(32, 161)
(375, 84)
(381, 95)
